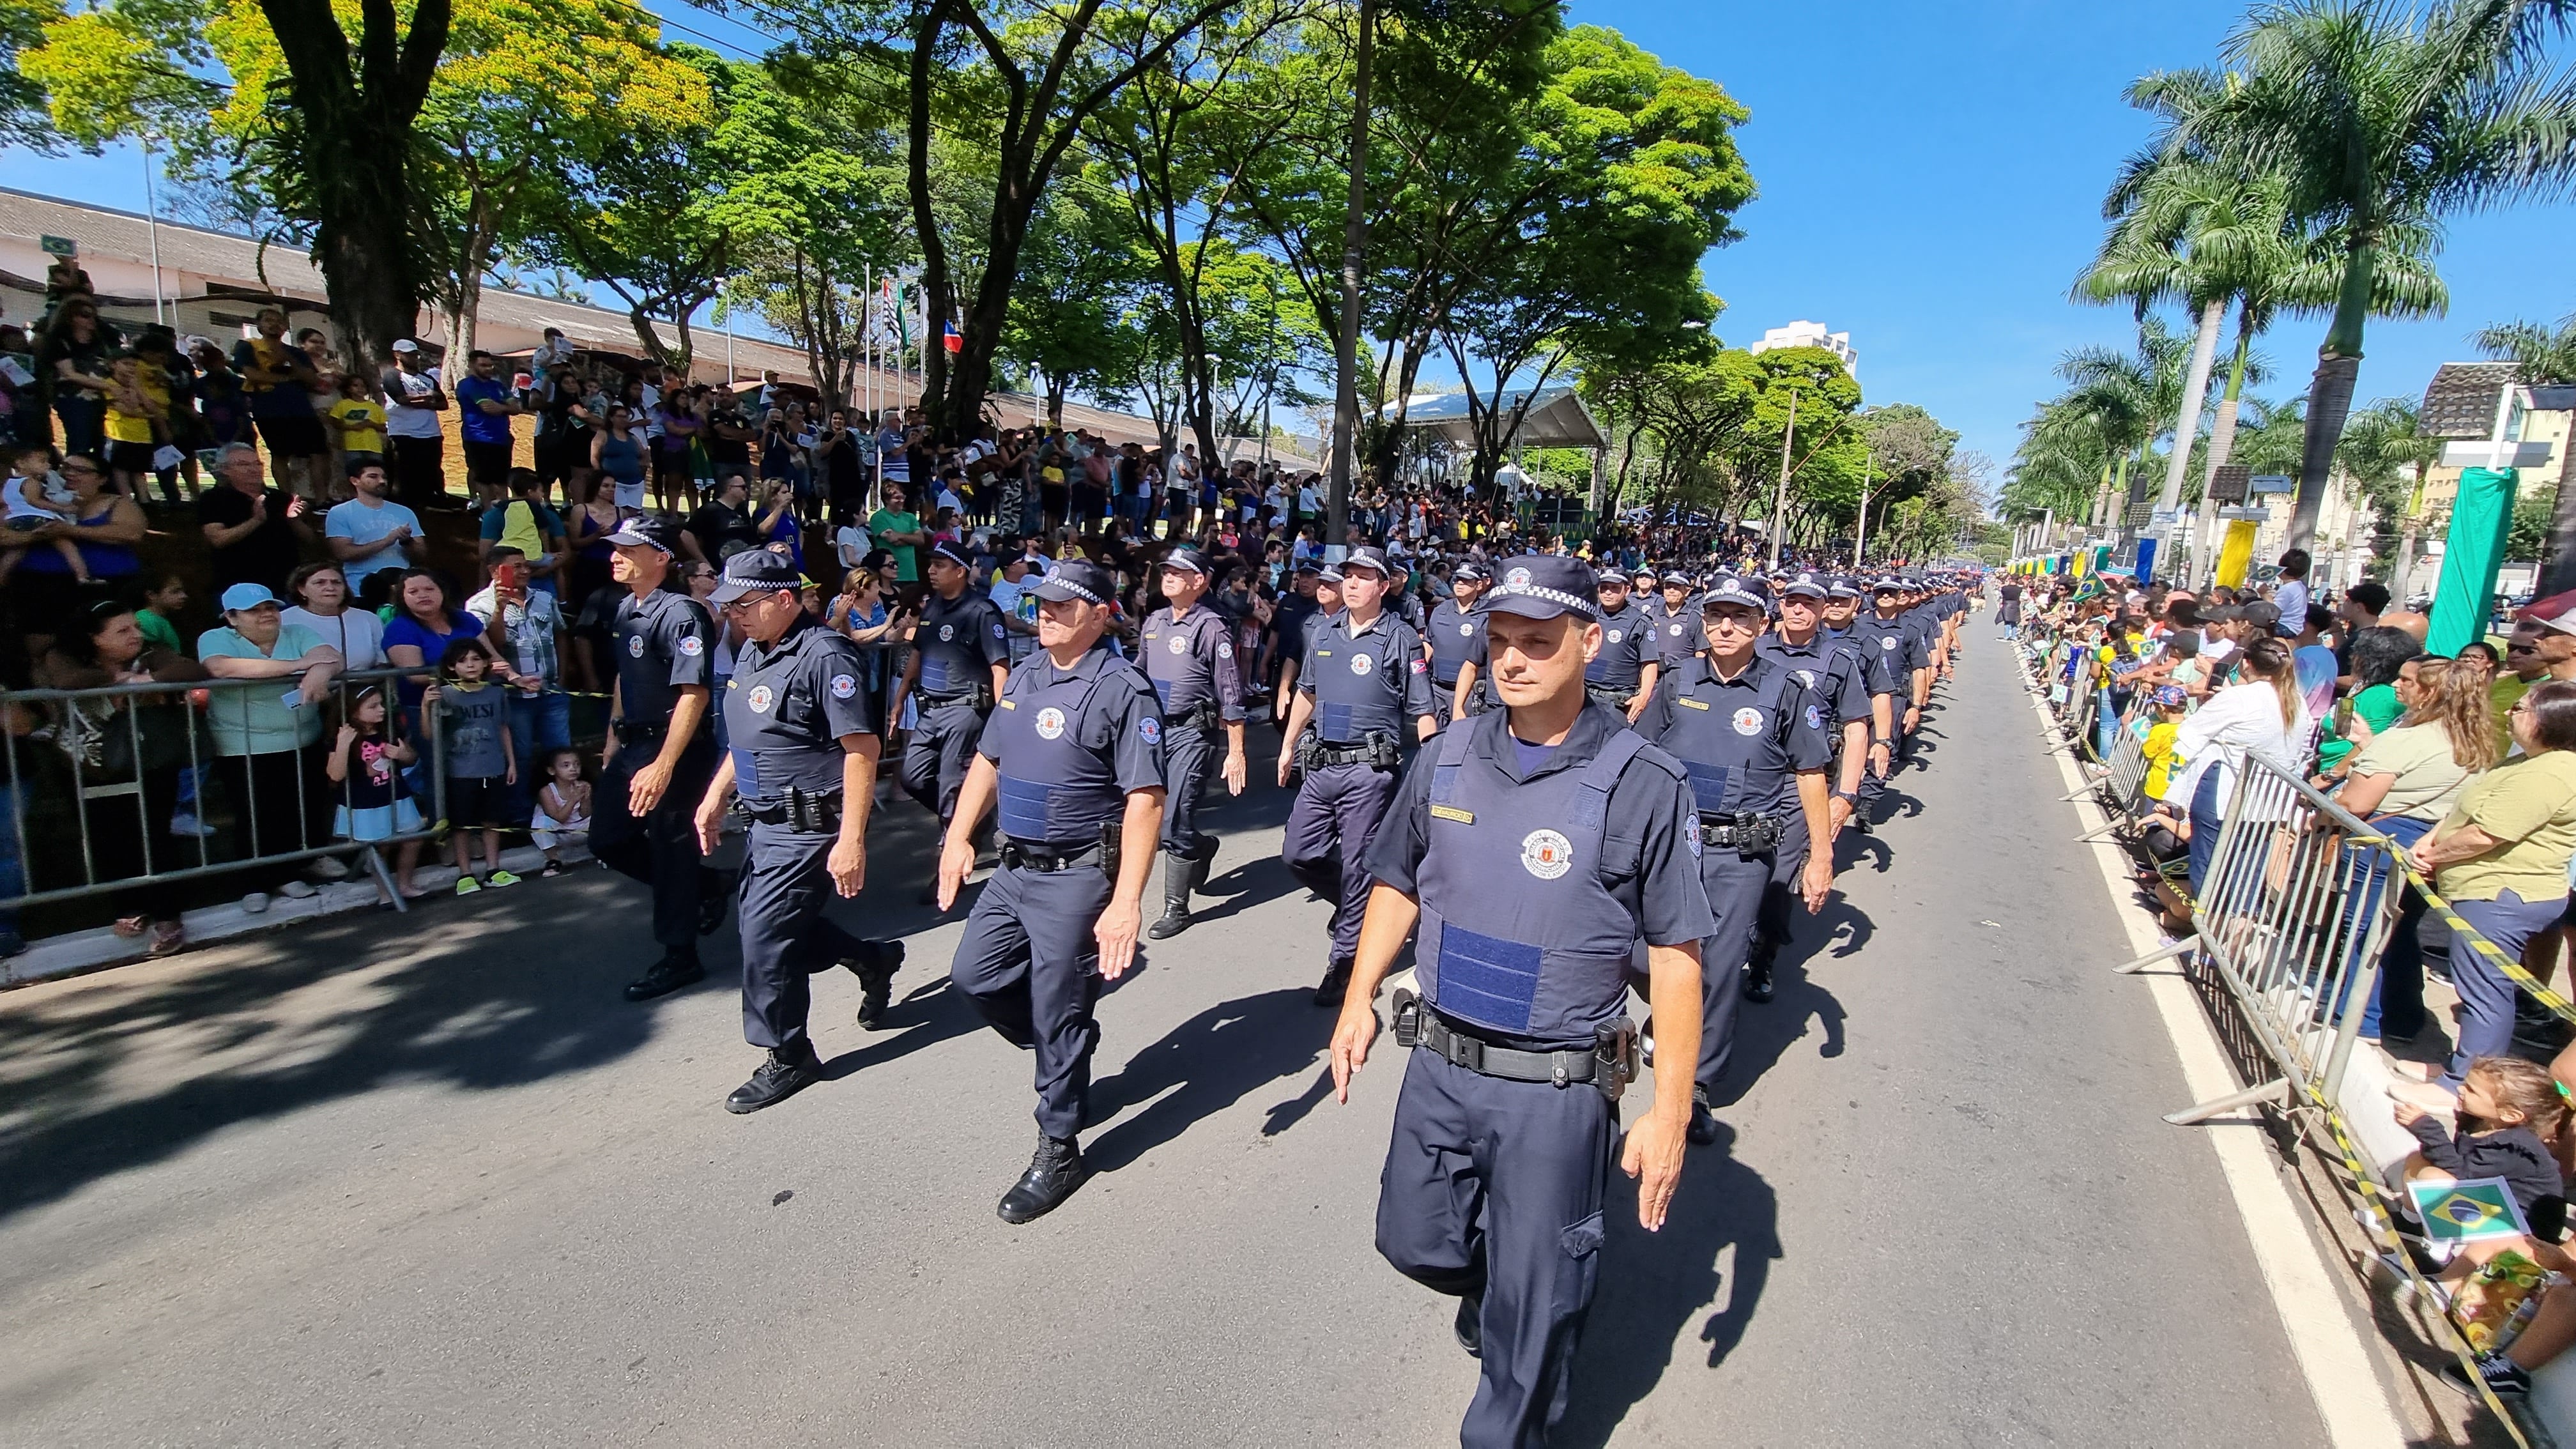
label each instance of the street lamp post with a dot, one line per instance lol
(1780, 497)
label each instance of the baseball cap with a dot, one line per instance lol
(1735, 589)
(1614, 576)
(1186, 557)
(646, 531)
(2564, 623)
(1805, 583)
(951, 552)
(1078, 579)
(2172, 696)
(1842, 586)
(406, 345)
(754, 571)
(1544, 587)
(1368, 557)
(1473, 573)
(247, 596)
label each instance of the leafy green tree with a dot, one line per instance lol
(1078, 279)
(2375, 119)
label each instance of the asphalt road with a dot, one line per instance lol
(429, 1181)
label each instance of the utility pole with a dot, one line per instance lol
(1780, 498)
(1346, 345)
(1860, 530)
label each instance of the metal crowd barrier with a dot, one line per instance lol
(93, 777)
(2291, 921)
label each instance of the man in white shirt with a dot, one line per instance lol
(2292, 595)
(413, 401)
(370, 534)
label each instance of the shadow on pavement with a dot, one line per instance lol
(1203, 1066)
(507, 992)
(1655, 1285)
(930, 1014)
(1765, 1031)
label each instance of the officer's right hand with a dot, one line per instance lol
(1287, 763)
(710, 822)
(1878, 755)
(1653, 1156)
(956, 862)
(1351, 1038)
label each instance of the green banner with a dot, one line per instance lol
(2480, 520)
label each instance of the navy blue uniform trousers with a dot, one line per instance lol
(1032, 966)
(1736, 884)
(786, 883)
(661, 849)
(1497, 1186)
(937, 757)
(1788, 862)
(1329, 830)
(1187, 753)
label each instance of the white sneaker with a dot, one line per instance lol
(255, 903)
(296, 889)
(329, 868)
(189, 826)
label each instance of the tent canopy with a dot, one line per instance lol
(1556, 418)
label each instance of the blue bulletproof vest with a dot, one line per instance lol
(1733, 740)
(1359, 683)
(1453, 641)
(1057, 766)
(1175, 654)
(1549, 955)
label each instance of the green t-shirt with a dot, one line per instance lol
(2377, 707)
(2530, 804)
(157, 630)
(907, 558)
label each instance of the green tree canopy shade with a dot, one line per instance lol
(2545, 356)
(2376, 118)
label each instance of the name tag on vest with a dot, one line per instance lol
(1452, 812)
(1686, 702)
(1007, 704)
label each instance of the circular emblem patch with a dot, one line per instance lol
(1224, 650)
(1180, 644)
(1466, 629)
(1748, 720)
(1887, 642)
(1361, 664)
(691, 645)
(1050, 723)
(1815, 721)
(947, 632)
(1149, 729)
(634, 646)
(1546, 854)
(843, 686)
(1615, 633)
(1517, 579)
(761, 698)
(997, 631)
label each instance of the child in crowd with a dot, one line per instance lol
(563, 807)
(36, 496)
(2511, 1121)
(375, 801)
(474, 715)
(359, 420)
(2169, 704)
(136, 426)
(160, 612)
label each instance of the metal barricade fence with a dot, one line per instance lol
(2291, 921)
(94, 781)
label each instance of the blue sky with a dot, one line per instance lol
(1931, 180)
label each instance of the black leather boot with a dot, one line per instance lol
(789, 1070)
(1053, 1174)
(876, 982)
(1177, 872)
(1703, 1123)
(1757, 969)
(1335, 985)
(667, 975)
(1202, 856)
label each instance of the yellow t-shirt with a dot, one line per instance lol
(362, 424)
(125, 427)
(2159, 750)
(2530, 804)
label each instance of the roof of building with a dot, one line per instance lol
(2461, 400)
(1556, 417)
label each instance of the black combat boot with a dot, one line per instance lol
(789, 1070)
(675, 970)
(876, 981)
(1469, 1325)
(1703, 1129)
(715, 887)
(1757, 969)
(1336, 983)
(1202, 855)
(1177, 871)
(1053, 1174)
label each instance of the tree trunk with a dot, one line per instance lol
(2195, 386)
(2404, 563)
(2330, 394)
(1346, 345)
(925, 220)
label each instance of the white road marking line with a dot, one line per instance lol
(2349, 1395)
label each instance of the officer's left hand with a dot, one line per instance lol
(849, 866)
(646, 789)
(1818, 881)
(1234, 772)
(1636, 707)
(1351, 1037)
(1116, 932)
(956, 862)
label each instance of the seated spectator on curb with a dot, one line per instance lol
(563, 807)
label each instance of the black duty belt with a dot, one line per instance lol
(1047, 860)
(1610, 1064)
(1611, 694)
(1742, 830)
(801, 810)
(630, 732)
(981, 697)
(1378, 750)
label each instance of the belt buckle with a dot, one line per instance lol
(1465, 1051)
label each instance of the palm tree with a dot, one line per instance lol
(2114, 396)
(2164, 246)
(2060, 467)
(2375, 121)
(2387, 452)
(2542, 358)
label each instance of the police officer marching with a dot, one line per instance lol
(961, 654)
(1563, 837)
(1073, 758)
(1752, 742)
(1622, 673)
(1365, 677)
(802, 757)
(1188, 653)
(1842, 614)
(1839, 678)
(661, 753)
(1675, 617)
(1457, 638)
(1894, 648)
